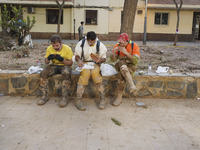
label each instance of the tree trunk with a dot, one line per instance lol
(128, 16)
(178, 18)
(60, 13)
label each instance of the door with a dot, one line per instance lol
(197, 30)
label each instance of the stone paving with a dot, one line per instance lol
(164, 124)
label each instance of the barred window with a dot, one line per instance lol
(161, 19)
(91, 17)
(52, 16)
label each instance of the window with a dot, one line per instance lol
(139, 11)
(52, 16)
(91, 17)
(161, 18)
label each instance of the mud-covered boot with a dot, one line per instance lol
(118, 100)
(120, 89)
(63, 102)
(78, 103)
(45, 90)
(129, 80)
(65, 93)
(103, 103)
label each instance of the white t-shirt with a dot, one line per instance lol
(90, 49)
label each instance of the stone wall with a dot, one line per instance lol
(148, 86)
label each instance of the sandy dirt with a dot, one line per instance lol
(179, 59)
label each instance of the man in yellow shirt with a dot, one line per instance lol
(60, 56)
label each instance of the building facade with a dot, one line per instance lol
(104, 17)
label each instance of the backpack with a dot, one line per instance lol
(132, 45)
(82, 45)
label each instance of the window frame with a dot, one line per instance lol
(56, 16)
(161, 19)
(86, 22)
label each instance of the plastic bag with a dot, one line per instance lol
(162, 69)
(34, 69)
(28, 40)
(107, 70)
(89, 65)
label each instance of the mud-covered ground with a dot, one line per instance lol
(179, 59)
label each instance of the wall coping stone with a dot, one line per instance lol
(136, 74)
(176, 85)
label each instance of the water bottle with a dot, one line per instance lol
(38, 64)
(149, 69)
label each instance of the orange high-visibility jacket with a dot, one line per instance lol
(134, 52)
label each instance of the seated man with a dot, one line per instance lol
(87, 50)
(128, 54)
(61, 57)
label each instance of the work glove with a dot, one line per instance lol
(135, 60)
(51, 56)
(58, 57)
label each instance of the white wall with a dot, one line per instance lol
(115, 16)
(92, 2)
(0, 19)
(41, 26)
(185, 24)
(102, 20)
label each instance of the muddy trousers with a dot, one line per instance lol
(124, 76)
(83, 82)
(125, 73)
(86, 74)
(49, 71)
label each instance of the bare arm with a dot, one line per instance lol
(46, 61)
(67, 62)
(129, 56)
(114, 56)
(80, 62)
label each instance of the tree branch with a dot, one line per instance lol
(57, 3)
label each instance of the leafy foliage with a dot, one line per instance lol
(15, 25)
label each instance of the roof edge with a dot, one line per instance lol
(35, 3)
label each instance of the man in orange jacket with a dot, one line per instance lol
(128, 54)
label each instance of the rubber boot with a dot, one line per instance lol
(45, 91)
(65, 94)
(129, 80)
(120, 90)
(78, 103)
(102, 104)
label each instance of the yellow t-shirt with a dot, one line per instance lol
(65, 52)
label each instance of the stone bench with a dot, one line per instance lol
(154, 86)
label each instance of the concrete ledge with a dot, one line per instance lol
(162, 86)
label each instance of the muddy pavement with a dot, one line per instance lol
(180, 59)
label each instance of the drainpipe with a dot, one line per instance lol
(74, 28)
(145, 24)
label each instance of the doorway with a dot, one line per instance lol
(196, 26)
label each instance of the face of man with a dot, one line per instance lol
(123, 44)
(57, 46)
(91, 43)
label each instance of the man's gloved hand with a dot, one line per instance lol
(58, 57)
(135, 60)
(51, 56)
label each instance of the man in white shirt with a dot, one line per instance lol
(84, 49)
(81, 31)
